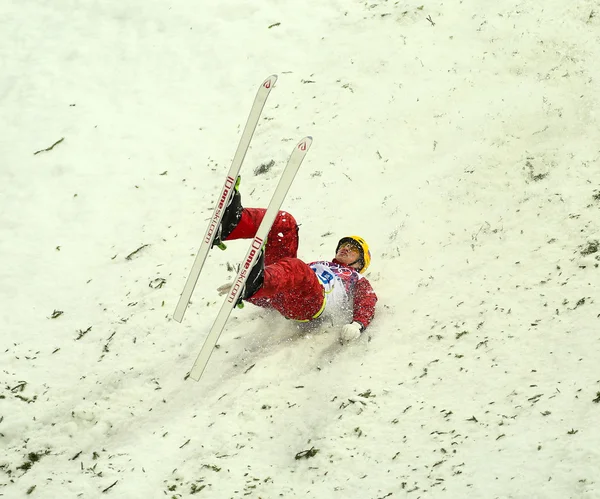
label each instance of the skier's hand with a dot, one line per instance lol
(350, 332)
(224, 288)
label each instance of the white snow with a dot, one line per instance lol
(464, 148)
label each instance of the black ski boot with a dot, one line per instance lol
(256, 278)
(231, 216)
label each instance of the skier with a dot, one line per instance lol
(302, 292)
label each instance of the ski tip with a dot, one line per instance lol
(270, 81)
(305, 143)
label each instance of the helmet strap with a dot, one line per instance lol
(358, 260)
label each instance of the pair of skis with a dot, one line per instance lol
(253, 253)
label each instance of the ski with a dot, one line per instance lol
(232, 298)
(226, 192)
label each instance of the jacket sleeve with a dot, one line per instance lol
(364, 302)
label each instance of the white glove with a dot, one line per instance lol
(350, 332)
(224, 288)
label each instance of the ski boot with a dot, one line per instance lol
(255, 280)
(231, 217)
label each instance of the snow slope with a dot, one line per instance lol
(460, 140)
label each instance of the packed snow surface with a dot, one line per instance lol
(460, 139)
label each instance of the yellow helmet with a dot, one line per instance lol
(363, 248)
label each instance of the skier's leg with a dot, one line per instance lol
(282, 240)
(292, 288)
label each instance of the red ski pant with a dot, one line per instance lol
(290, 285)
